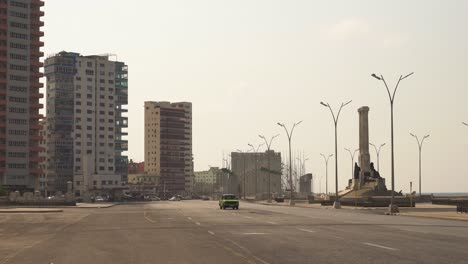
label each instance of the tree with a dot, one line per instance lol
(2, 191)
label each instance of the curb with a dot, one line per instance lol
(30, 211)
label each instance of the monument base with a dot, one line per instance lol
(337, 205)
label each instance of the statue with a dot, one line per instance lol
(357, 171)
(375, 174)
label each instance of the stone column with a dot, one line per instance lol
(364, 157)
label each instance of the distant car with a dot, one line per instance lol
(155, 198)
(174, 198)
(205, 198)
(229, 201)
(99, 199)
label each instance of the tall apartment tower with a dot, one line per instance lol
(20, 33)
(85, 100)
(168, 145)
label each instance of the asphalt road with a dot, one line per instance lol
(199, 232)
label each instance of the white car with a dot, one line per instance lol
(174, 199)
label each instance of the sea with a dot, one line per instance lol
(457, 194)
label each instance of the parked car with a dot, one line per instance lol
(229, 200)
(174, 198)
(99, 199)
(205, 198)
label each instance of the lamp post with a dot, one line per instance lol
(378, 154)
(393, 207)
(291, 201)
(351, 155)
(268, 144)
(464, 123)
(256, 161)
(243, 173)
(326, 170)
(302, 168)
(420, 144)
(336, 204)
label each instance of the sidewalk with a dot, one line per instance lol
(93, 205)
(439, 215)
(29, 210)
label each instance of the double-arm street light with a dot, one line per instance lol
(351, 155)
(326, 158)
(291, 200)
(336, 204)
(255, 150)
(465, 123)
(420, 144)
(243, 174)
(377, 151)
(393, 208)
(268, 144)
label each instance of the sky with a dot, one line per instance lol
(248, 64)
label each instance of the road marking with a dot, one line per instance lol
(249, 217)
(211, 233)
(197, 223)
(253, 233)
(306, 230)
(149, 219)
(379, 246)
(273, 223)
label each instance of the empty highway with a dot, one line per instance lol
(199, 232)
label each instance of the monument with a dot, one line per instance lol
(367, 187)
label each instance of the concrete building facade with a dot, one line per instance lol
(250, 173)
(168, 145)
(85, 100)
(20, 54)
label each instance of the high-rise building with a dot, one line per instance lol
(20, 33)
(251, 173)
(85, 99)
(168, 145)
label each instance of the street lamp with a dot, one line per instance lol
(352, 160)
(302, 168)
(291, 201)
(465, 123)
(393, 207)
(336, 204)
(268, 144)
(326, 170)
(243, 174)
(420, 148)
(378, 154)
(256, 161)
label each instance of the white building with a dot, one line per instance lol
(89, 132)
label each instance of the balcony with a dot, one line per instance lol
(35, 138)
(35, 171)
(37, 85)
(3, 102)
(36, 149)
(3, 5)
(34, 116)
(2, 147)
(2, 159)
(35, 95)
(37, 33)
(37, 74)
(3, 69)
(37, 106)
(3, 26)
(37, 64)
(34, 126)
(38, 13)
(37, 53)
(3, 48)
(2, 113)
(37, 43)
(37, 2)
(3, 37)
(3, 58)
(36, 159)
(37, 23)
(2, 170)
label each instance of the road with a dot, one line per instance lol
(199, 232)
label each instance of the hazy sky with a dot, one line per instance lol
(246, 65)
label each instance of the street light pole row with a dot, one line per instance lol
(326, 170)
(256, 161)
(420, 144)
(268, 144)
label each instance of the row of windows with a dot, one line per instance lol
(18, 14)
(17, 109)
(16, 166)
(17, 121)
(17, 143)
(91, 128)
(19, 78)
(18, 67)
(19, 35)
(18, 56)
(17, 154)
(91, 111)
(18, 88)
(18, 4)
(18, 46)
(18, 25)
(18, 99)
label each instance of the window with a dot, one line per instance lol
(18, 25)
(17, 99)
(89, 64)
(89, 128)
(18, 4)
(18, 56)
(78, 183)
(18, 46)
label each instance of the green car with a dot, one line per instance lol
(229, 200)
